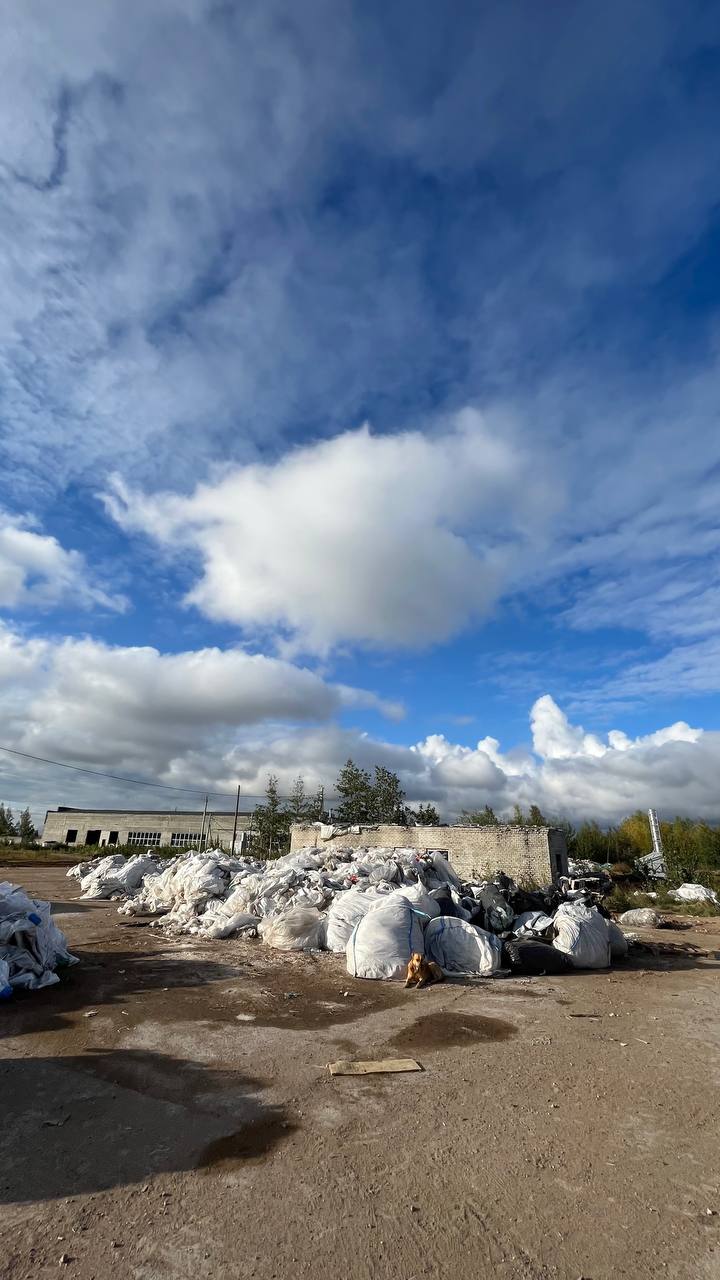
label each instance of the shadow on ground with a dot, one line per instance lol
(103, 1119)
(109, 977)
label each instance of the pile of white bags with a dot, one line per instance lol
(31, 945)
(378, 906)
(115, 875)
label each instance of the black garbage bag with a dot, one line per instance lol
(545, 900)
(499, 915)
(444, 899)
(534, 958)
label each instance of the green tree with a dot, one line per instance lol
(634, 832)
(26, 828)
(356, 792)
(426, 815)
(591, 843)
(299, 805)
(479, 817)
(518, 817)
(271, 824)
(388, 797)
(317, 806)
(7, 822)
(536, 817)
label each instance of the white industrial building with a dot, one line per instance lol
(174, 828)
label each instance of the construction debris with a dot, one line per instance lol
(32, 947)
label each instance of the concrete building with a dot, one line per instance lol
(530, 854)
(178, 828)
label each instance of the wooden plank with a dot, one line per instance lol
(345, 1068)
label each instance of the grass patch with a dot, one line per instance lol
(14, 855)
(624, 899)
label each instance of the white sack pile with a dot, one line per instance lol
(31, 945)
(114, 876)
(377, 906)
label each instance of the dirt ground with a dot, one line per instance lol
(168, 1113)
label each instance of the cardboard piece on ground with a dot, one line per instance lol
(344, 1068)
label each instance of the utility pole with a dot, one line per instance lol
(202, 829)
(237, 806)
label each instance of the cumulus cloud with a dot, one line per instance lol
(97, 702)
(384, 540)
(36, 570)
(210, 719)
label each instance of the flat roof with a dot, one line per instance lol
(160, 813)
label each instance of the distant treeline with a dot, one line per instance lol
(689, 845)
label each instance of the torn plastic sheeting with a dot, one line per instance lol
(309, 878)
(461, 948)
(298, 929)
(117, 874)
(31, 945)
(694, 893)
(531, 923)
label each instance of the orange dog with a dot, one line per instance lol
(421, 972)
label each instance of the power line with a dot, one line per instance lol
(137, 782)
(98, 773)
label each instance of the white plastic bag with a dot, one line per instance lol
(530, 924)
(641, 916)
(382, 942)
(618, 941)
(459, 947)
(583, 934)
(31, 945)
(298, 929)
(420, 899)
(346, 910)
(694, 893)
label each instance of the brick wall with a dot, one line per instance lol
(536, 854)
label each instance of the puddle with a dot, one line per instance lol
(444, 1030)
(255, 1140)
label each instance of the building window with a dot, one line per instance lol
(71, 836)
(143, 837)
(112, 837)
(93, 837)
(183, 839)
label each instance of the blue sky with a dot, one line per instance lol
(358, 395)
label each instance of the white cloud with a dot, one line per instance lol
(35, 570)
(94, 701)
(188, 268)
(383, 540)
(210, 719)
